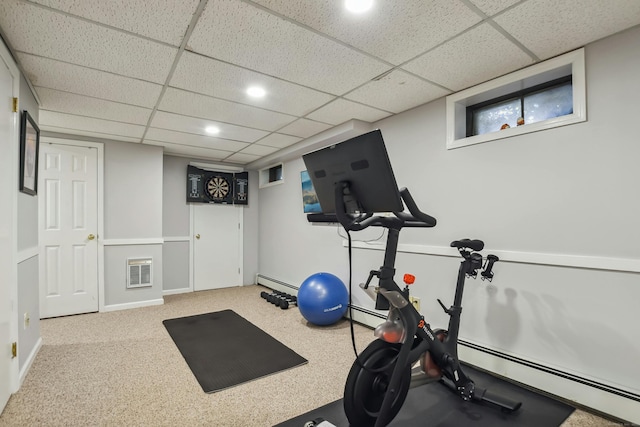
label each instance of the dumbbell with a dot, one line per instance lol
(288, 300)
(272, 297)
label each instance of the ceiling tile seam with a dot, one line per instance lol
(466, 30)
(320, 33)
(191, 145)
(233, 101)
(513, 40)
(201, 135)
(67, 128)
(243, 162)
(91, 97)
(89, 117)
(306, 116)
(261, 73)
(89, 68)
(288, 124)
(13, 52)
(489, 20)
(192, 24)
(507, 9)
(100, 24)
(78, 137)
(294, 118)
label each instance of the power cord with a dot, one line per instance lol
(353, 337)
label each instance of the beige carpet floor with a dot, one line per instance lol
(122, 369)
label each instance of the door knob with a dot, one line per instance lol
(91, 237)
(197, 236)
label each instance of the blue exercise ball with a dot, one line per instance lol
(323, 299)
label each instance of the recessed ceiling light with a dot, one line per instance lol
(212, 130)
(358, 6)
(256, 92)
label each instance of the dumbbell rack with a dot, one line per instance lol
(280, 299)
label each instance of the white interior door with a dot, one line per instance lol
(8, 139)
(217, 237)
(68, 218)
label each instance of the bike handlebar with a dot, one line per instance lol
(416, 214)
(357, 222)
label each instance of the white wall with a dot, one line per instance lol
(132, 220)
(28, 275)
(566, 196)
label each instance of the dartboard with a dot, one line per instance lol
(217, 187)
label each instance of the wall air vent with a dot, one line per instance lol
(139, 272)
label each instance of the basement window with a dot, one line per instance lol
(543, 96)
(271, 176)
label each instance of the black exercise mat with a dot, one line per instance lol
(224, 349)
(436, 405)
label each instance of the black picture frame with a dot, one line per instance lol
(29, 150)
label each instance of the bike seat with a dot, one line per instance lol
(474, 245)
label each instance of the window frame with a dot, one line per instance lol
(520, 95)
(265, 176)
(569, 64)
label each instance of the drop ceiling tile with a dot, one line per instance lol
(185, 150)
(242, 34)
(79, 124)
(241, 158)
(65, 102)
(491, 7)
(162, 20)
(86, 133)
(341, 110)
(51, 34)
(259, 150)
(210, 77)
(206, 107)
(192, 140)
(393, 31)
(549, 27)
(196, 125)
(52, 74)
(304, 128)
(396, 92)
(474, 57)
(279, 140)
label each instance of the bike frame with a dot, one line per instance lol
(419, 336)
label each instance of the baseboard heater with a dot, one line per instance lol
(552, 371)
(370, 317)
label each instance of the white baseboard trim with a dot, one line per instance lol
(129, 305)
(176, 291)
(276, 285)
(618, 403)
(27, 366)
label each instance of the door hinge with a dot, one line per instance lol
(15, 105)
(14, 350)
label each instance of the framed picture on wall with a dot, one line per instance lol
(29, 147)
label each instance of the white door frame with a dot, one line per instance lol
(9, 165)
(100, 236)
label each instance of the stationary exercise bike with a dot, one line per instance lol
(382, 374)
(354, 180)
